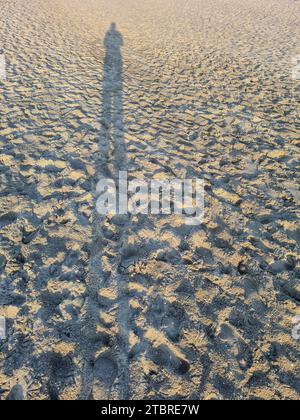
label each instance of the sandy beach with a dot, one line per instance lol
(147, 306)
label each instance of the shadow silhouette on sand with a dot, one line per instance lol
(105, 353)
(112, 146)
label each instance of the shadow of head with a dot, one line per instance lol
(113, 38)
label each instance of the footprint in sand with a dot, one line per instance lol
(106, 369)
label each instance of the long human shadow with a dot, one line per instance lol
(111, 368)
(111, 142)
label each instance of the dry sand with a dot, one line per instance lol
(147, 307)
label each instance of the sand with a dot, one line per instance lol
(146, 307)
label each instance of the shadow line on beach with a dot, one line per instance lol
(109, 371)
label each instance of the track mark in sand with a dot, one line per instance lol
(106, 357)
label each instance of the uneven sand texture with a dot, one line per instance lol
(144, 306)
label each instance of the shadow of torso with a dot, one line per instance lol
(112, 147)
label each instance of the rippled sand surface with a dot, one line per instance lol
(143, 306)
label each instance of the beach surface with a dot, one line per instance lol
(145, 306)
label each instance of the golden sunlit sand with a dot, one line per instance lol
(148, 307)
